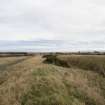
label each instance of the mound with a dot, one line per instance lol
(32, 82)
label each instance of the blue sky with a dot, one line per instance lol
(73, 20)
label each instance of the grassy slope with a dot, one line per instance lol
(31, 82)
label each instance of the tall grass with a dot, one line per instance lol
(94, 63)
(49, 87)
(32, 82)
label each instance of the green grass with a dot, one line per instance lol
(50, 88)
(46, 89)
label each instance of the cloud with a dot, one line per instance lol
(87, 15)
(52, 19)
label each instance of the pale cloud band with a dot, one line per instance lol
(51, 46)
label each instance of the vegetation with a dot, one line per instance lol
(72, 81)
(95, 63)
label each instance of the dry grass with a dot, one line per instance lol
(16, 78)
(52, 85)
(31, 82)
(94, 63)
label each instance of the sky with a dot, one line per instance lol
(72, 20)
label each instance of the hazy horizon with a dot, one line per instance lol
(50, 46)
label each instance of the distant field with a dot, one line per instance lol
(53, 79)
(94, 63)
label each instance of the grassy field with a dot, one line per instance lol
(52, 80)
